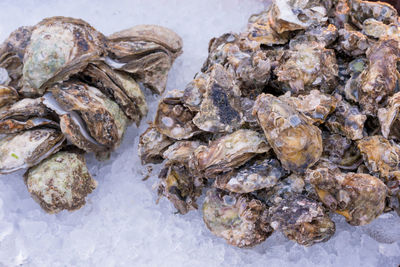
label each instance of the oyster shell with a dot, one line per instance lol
(146, 51)
(389, 119)
(296, 142)
(236, 218)
(173, 119)
(152, 144)
(180, 187)
(359, 197)
(362, 10)
(181, 151)
(228, 152)
(26, 149)
(220, 108)
(347, 120)
(61, 182)
(194, 91)
(58, 48)
(302, 219)
(252, 176)
(8, 95)
(352, 42)
(380, 155)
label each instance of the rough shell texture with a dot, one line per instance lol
(58, 48)
(295, 141)
(28, 148)
(389, 118)
(8, 95)
(236, 218)
(359, 197)
(151, 145)
(252, 176)
(228, 152)
(302, 220)
(60, 182)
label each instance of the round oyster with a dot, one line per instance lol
(302, 220)
(58, 48)
(296, 142)
(61, 182)
(28, 148)
(236, 218)
(359, 197)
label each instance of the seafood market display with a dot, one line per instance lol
(287, 123)
(67, 89)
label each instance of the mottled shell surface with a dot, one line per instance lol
(296, 142)
(8, 95)
(28, 148)
(236, 218)
(58, 48)
(152, 144)
(60, 182)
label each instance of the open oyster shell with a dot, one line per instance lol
(61, 182)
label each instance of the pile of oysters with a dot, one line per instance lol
(287, 123)
(67, 89)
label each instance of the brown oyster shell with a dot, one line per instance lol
(359, 197)
(181, 151)
(65, 46)
(352, 42)
(302, 220)
(146, 51)
(296, 142)
(8, 95)
(389, 119)
(236, 218)
(228, 152)
(362, 10)
(151, 145)
(220, 108)
(253, 176)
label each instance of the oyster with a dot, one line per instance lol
(181, 151)
(220, 108)
(8, 95)
(228, 152)
(296, 142)
(347, 120)
(61, 182)
(359, 197)
(389, 119)
(146, 51)
(302, 220)
(58, 48)
(362, 10)
(352, 42)
(236, 218)
(151, 145)
(251, 177)
(180, 187)
(28, 148)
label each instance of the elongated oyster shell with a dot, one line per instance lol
(220, 108)
(146, 51)
(60, 182)
(295, 141)
(302, 220)
(362, 10)
(359, 197)
(236, 218)
(181, 151)
(389, 118)
(58, 48)
(28, 148)
(8, 95)
(228, 152)
(151, 145)
(251, 177)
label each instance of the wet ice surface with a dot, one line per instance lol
(121, 225)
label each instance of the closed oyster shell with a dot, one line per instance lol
(194, 91)
(181, 151)
(60, 182)
(104, 119)
(58, 48)
(8, 95)
(228, 152)
(380, 155)
(119, 87)
(302, 220)
(180, 187)
(236, 218)
(378, 82)
(378, 29)
(146, 51)
(252, 176)
(173, 119)
(359, 197)
(296, 142)
(26, 149)
(306, 68)
(347, 120)
(389, 118)
(220, 108)
(352, 42)
(152, 144)
(380, 11)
